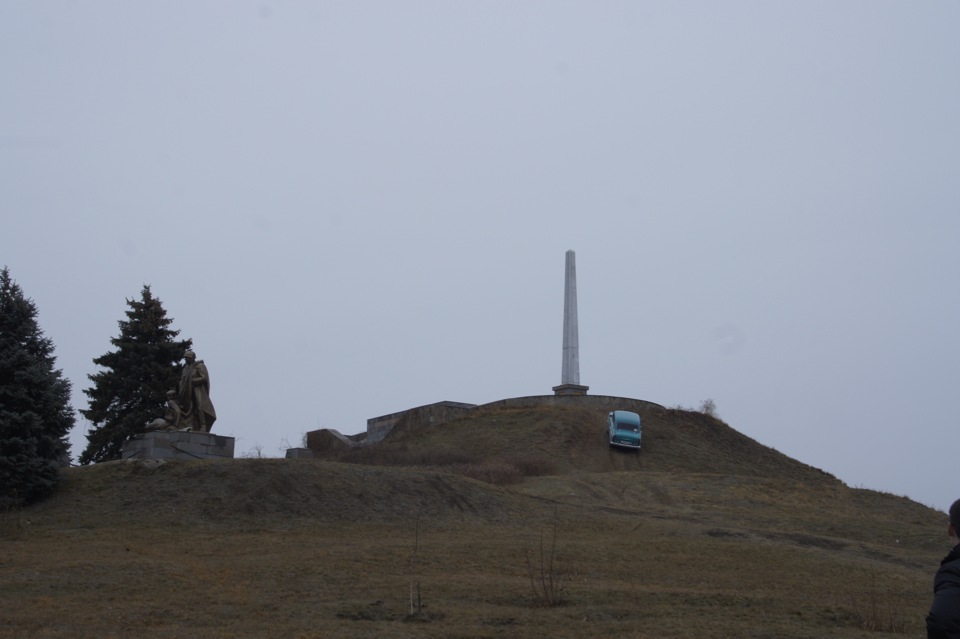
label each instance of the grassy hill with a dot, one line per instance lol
(482, 524)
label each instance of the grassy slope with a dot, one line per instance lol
(705, 533)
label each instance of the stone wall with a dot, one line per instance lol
(299, 453)
(438, 413)
(328, 439)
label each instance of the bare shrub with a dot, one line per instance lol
(416, 601)
(878, 616)
(546, 579)
(256, 452)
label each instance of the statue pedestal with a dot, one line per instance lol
(178, 445)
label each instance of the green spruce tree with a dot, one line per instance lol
(35, 412)
(131, 390)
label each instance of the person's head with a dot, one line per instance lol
(190, 356)
(954, 529)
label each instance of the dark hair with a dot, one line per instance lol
(955, 516)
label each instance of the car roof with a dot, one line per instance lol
(625, 416)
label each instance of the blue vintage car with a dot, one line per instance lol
(623, 428)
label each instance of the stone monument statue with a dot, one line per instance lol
(193, 396)
(184, 430)
(171, 415)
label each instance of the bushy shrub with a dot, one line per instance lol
(708, 407)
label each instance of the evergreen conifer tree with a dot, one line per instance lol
(35, 412)
(131, 390)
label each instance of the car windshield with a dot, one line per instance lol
(628, 427)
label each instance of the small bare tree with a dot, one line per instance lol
(416, 603)
(546, 579)
(256, 452)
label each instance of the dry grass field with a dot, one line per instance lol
(512, 523)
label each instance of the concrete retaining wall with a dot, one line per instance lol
(603, 402)
(299, 453)
(328, 439)
(438, 413)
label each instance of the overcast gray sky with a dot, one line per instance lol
(355, 208)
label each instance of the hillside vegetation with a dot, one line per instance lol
(510, 522)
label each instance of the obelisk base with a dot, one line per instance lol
(570, 389)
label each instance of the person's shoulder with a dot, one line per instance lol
(949, 570)
(953, 557)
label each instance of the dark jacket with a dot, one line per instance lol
(943, 620)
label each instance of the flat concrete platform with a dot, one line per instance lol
(299, 453)
(178, 445)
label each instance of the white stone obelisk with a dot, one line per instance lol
(570, 372)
